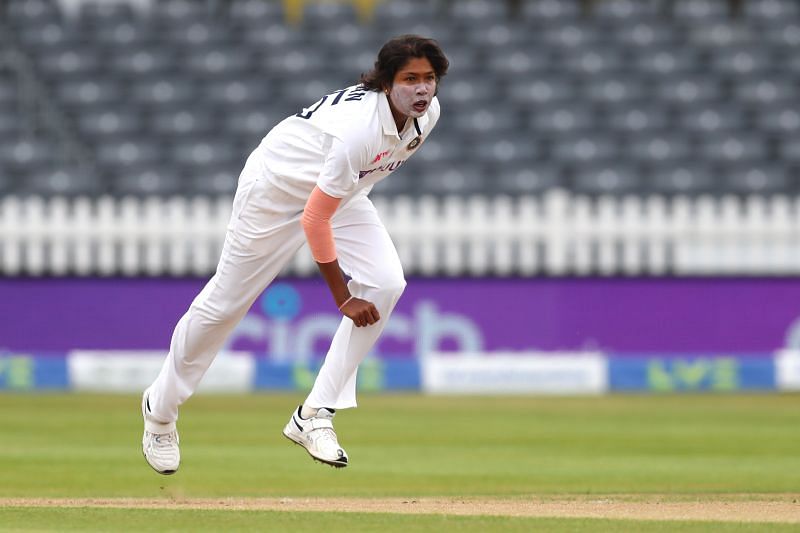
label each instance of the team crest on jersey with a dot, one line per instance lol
(414, 143)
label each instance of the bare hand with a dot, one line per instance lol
(361, 312)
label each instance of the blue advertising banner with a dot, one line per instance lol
(25, 372)
(682, 373)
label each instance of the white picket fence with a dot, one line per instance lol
(555, 234)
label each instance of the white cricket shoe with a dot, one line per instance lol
(160, 449)
(317, 436)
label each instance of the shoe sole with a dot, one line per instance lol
(334, 464)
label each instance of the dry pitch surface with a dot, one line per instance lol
(783, 508)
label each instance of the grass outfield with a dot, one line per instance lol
(683, 448)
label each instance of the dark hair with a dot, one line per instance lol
(396, 53)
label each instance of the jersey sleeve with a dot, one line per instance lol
(344, 158)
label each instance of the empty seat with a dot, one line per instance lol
(249, 125)
(699, 10)
(609, 178)
(404, 181)
(688, 177)
(327, 14)
(274, 38)
(190, 120)
(761, 177)
(69, 62)
(720, 34)
(145, 180)
(789, 149)
(541, 90)
(656, 61)
(163, 90)
(205, 151)
(623, 12)
(113, 121)
(189, 33)
(464, 92)
(120, 35)
(450, 179)
(498, 152)
(742, 61)
(518, 179)
(89, 92)
(213, 180)
(656, 147)
(216, 61)
(712, 118)
(294, 62)
(403, 13)
(770, 10)
(48, 34)
(764, 91)
(31, 13)
(592, 61)
(26, 153)
(613, 89)
(476, 12)
(145, 60)
(255, 12)
(584, 147)
(549, 11)
(572, 35)
(560, 119)
(689, 89)
(116, 154)
(240, 91)
(500, 34)
(646, 33)
(782, 119)
(734, 147)
(98, 14)
(486, 121)
(62, 180)
(638, 118)
(179, 11)
(782, 33)
(509, 61)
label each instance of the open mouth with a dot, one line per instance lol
(420, 105)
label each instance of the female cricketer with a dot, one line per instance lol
(308, 180)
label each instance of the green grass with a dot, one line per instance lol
(78, 446)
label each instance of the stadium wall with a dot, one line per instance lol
(486, 335)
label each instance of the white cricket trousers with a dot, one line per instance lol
(264, 233)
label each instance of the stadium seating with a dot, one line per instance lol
(596, 96)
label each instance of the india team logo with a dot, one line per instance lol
(414, 143)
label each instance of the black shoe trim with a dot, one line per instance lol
(298, 425)
(147, 404)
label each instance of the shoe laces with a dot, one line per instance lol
(164, 440)
(329, 435)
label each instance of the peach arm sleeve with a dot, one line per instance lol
(316, 221)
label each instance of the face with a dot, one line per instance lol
(413, 88)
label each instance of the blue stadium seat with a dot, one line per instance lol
(688, 177)
(70, 62)
(742, 61)
(789, 150)
(592, 61)
(540, 90)
(164, 91)
(639, 117)
(623, 12)
(442, 149)
(779, 119)
(132, 152)
(111, 121)
(771, 10)
(510, 61)
(647, 33)
(217, 61)
(525, 178)
(23, 154)
(734, 148)
(212, 180)
(658, 147)
(607, 178)
(550, 11)
(667, 60)
(758, 177)
(614, 89)
(327, 14)
(761, 91)
(89, 92)
(147, 180)
(186, 120)
(256, 12)
(449, 179)
(688, 89)
(563, 119)
(699, 11)
(712, 118)
(502, 150)
(205, 151)
(580, 148)
(141, 60)
(62, 180)
(476, 13)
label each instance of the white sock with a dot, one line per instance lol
(307, 412)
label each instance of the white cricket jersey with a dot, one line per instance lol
(345, 142)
